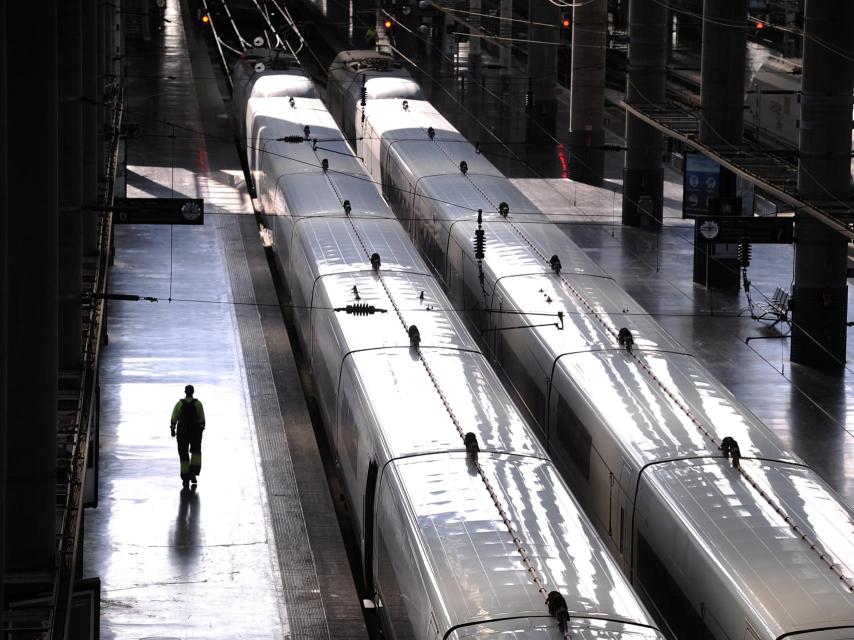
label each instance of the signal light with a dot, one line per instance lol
(760, 25)
(565, 23)
(205, 18)
(387, 23)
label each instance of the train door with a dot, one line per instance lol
(369, 520)
(619, 516)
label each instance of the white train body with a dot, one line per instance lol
(636, 433)
(438, 553)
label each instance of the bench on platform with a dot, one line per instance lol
(776, 308)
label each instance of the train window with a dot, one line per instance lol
(396, 623)
(668, 600)
(572, 436)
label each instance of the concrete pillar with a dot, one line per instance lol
(336, 12)
(32, 315)
(91, 95)
(474, 39)
(542, 66)
(820, 296)
(587, 98)
(722, 122)
(689, 26)
(643, 173)
(70, 184)
(4, 298)
(505, 30)
(101, 70)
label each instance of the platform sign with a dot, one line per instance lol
(159, 211)
(702, 177)
(754, 229)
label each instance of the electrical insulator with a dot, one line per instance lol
(529, 101)
(479, 244)
(744, 253)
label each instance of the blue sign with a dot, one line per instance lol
(702, 177)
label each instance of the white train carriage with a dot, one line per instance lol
(443, 536)
(765, 550)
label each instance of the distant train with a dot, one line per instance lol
(466, 528)
(724, 532)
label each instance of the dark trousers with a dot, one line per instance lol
(190, 450)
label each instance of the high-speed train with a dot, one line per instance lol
(722, 530)
(467, 529)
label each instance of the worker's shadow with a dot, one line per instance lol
(186, 535)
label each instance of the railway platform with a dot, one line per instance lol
(256, 550)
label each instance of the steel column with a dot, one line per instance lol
(587, 98)
(820, 297)
(505, 30)
(4, 299)
(643, 173)
(721, 120)
(70, 185)
(32, 316)
(542, 67)
(91, 141)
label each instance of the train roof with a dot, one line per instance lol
(296, 167)
(462, 544)
(649, 422)
(755, 550)
(466, 551)
(380, 74)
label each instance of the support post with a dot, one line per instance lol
(587, 98)
(643, 173)
(32, 311)
(721, 123)
(820, 297)
(505, 30)
(474, 36)
(542, 67)
(70, 185)
(4, 307)
(91, 95)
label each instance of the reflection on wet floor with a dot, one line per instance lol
(186, 534)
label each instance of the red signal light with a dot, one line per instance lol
(387, 23)
(565, 23)
(760, 25)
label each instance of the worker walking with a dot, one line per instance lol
(189, 416)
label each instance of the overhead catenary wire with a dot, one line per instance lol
(499, 142)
